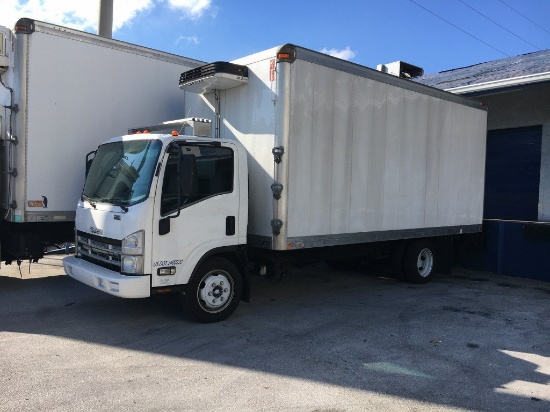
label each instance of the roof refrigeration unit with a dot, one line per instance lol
(214, 76)
(401, 69)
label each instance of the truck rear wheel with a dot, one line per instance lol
(214, 291)
(418, 261)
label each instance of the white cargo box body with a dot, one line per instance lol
(367, 156)
(75, 90)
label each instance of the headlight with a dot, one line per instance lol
(133, 244)
(132, 265)
(132, 254)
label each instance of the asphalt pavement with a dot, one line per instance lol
(319, 340)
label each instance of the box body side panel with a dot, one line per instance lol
(367, 156)
(79, 94)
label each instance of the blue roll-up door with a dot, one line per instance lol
(512, 173)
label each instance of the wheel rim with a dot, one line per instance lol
(215, 291)
(425, 261)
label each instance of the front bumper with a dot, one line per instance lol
(107, 280)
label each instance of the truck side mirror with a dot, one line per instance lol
(164, 226)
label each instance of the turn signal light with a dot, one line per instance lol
(167, 271)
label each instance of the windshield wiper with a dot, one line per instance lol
(90, 201)
(118, 202)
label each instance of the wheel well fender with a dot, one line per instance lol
(235, 255)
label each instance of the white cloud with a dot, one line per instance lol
(191, 8)
(124, 11)
(188, 39)
(78, 14)
(345, 54)
(83, 14)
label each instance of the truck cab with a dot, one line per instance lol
(163, 213)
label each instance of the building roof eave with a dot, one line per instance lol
(498, 86)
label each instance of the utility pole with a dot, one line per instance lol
(105, 23)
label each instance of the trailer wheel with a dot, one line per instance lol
(418, 261)
(214, 291)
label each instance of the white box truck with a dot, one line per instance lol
(312, 158)
(62, 93)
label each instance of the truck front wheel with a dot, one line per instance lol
(214, 291)
(418, 261)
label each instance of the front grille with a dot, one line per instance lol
(103, 251)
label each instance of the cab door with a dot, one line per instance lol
(208, 210)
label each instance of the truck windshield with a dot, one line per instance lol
(121, 172)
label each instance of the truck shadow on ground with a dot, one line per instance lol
(470, 340)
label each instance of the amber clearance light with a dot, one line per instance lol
(283, 56)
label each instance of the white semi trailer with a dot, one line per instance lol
(62, 93)
(312, 158)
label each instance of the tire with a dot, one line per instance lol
(214, 291)
(418, 261)
(344, 264)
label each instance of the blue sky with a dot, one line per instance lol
(434, 34)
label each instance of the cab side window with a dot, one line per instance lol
(211, 171)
